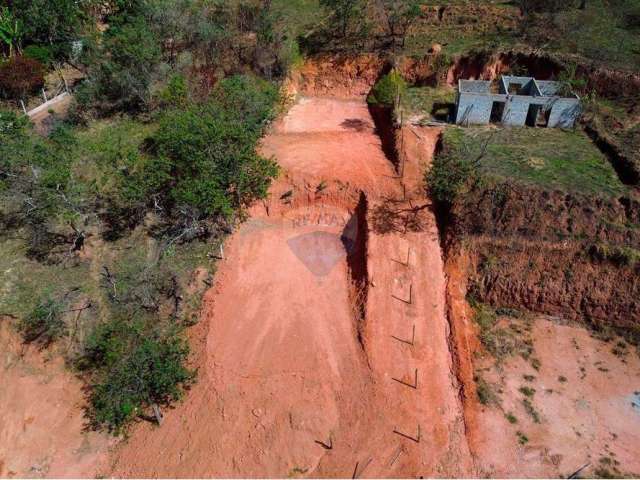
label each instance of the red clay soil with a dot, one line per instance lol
(297, 377)
(41, 428)
(587, 399)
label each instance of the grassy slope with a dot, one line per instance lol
(24, 281)
(550, 158)
(601, 32)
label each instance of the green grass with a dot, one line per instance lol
(422, 100)
(551, 158)
(23, 282)
(466, 26)
(299, 15)
(601, 32)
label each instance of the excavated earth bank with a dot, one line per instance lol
(333, 343)
(324, 346)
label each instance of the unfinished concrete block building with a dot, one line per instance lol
(516, 101)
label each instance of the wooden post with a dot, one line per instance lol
(409, 437)
(24, 109)
(157, 413)
(407, 384)
(408, 342)
(44, 94)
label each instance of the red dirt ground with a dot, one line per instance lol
(41, 427)
(584, 397)
(296, 379)
(288, 361)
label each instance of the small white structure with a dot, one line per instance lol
(516, 101)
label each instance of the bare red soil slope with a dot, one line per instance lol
(324, 348)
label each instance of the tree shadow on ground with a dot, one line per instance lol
(398, 216)
(356, 124)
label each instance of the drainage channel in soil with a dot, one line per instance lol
(326, 348)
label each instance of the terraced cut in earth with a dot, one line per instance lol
(324, 345)
(326, 348)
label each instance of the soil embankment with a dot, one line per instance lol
(557, 399)
(552, 252)
(323, 348)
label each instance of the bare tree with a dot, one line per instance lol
(400, 16)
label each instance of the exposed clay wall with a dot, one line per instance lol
(340, 76)
(542, 251)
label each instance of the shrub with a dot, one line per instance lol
(486, 395)
(21, 76)
(527, 391)
(12, 125)
(388, 89)
(122, 68)
(620, 256)
(44, 324)
(175, 94)
(42, 54)
(452, 172)
(134, 369)
(52, 22)
(204, 157)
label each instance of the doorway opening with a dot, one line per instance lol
(497, 110)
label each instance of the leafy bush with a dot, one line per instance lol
(204, 156)
(136, 358)
(21, 76)
(176, 93)
(450, 174)
(11, 125)
(388, 89)
(44, 324)
(122, 68)
(134, 368)
(55, 23)
(42, 54)
(36, 188)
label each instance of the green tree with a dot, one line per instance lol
(122, 67)
(400, 16)
(388, 90)
(345, 12)
(56, 23)
(11, 30)
(206, 153)
(134, 367)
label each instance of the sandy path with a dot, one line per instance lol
(295, 379)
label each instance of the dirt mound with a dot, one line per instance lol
(43, 436)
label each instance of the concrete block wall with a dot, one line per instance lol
(474, 109)
(474, 86)
(475, 102)
(516, 110)
(548, 88)
(564, 113)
